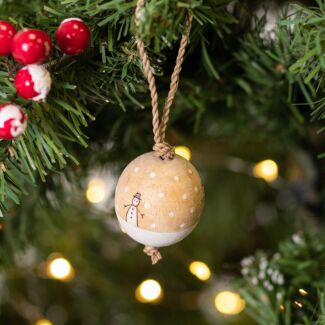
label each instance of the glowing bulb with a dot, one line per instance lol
(303, 292)
(148, 291)
(229, 303)
(183, 151)
(200, 270)
(60, 269)
(267, 169)
(96, 191)
(299, 304)
(43, 321)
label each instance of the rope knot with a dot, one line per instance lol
(164, 150)
(154, 253)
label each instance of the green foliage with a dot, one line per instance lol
(243, 92)
(43, 147)
(109, 74)
(308, 49)
(288, 287)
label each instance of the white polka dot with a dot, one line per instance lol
(136, 169)
(192, 209)
(27, 83)
(69, 36)
(176, 178)
(182, 225)
(171, 214)
(32, 36)
(184, 196)
(75, 26)
(147, 205)
(190, 171)
(152, 174)
(161, 195)
(196, 189)
(126, 189)
(25, 47)
(3, 27)
(39, 41)
(153, 225)
(11, 33)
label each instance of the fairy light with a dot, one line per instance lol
(282, 308)
(149, 291)
(303, 292)
(43, 321)
(267, 169)
(60, 268)
(229, 303)
(297, 303)
(96, 191)
(183, 151)
(200, 270)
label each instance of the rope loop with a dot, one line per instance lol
(162, 148)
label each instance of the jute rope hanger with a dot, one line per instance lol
(162, 148)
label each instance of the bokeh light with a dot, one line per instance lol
(200, 270)
(96, 191)
(303, 292)
(267, 169)
(183, 151)
(43, 321)
(298, 304)
(60, 268)
(149, 291)
(229, 303)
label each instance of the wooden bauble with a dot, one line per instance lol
(158, 202)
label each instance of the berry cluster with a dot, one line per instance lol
(30, 48)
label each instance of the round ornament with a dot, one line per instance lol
(72, 36)
(31, 46)
(13, 121)
(7, 33)
(33, 82)
(158, 202)
(159, 196)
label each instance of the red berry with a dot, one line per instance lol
(31, 46)
(13, 121)
(24, 84)
(7, 32)
(72, 36)
(33, 82)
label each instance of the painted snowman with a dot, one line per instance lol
(133, 211)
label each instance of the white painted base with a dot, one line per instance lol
(152, 238)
